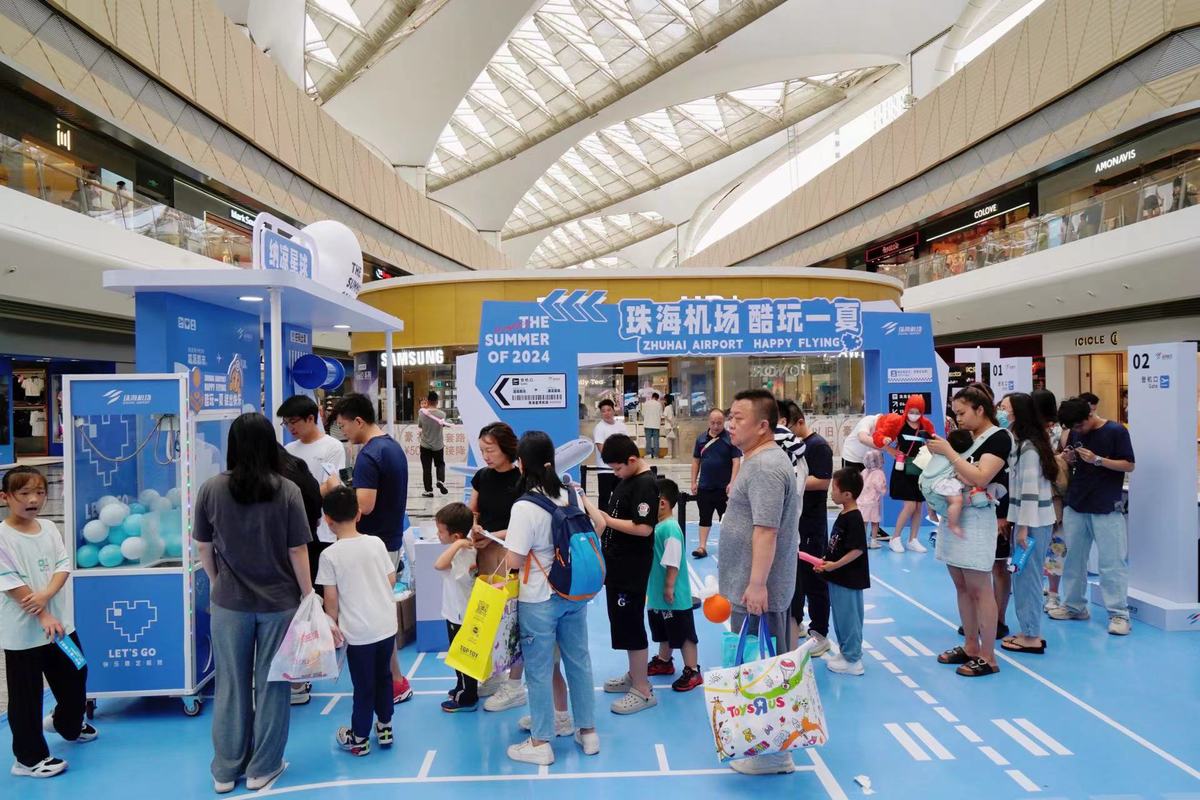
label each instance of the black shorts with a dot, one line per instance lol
(673, 627)
(710, 500)
(1003, 547)
(626, 618)
(854, 465)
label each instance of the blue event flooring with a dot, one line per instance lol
(1098, 716)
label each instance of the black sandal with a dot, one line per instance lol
(976, 668)
(1012, 647)
(699, 553)
(955, 655)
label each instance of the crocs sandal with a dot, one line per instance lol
(976, 668)
(955, 655)
(1011, 646)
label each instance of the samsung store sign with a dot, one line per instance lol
(431, 357)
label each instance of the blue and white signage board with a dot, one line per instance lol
(1163, 578)
(278, 245)
(541, 344)
(1010, 375)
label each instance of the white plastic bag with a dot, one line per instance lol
(308, 652)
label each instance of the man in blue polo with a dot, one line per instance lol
(715, 462)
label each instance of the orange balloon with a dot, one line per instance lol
(717, 609)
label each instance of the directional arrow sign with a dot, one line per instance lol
(531, 391)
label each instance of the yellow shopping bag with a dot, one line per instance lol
(471, 651)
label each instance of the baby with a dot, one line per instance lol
(950, 488)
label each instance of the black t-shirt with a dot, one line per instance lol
(296, 471)
(819, 457)
(848, 534)
(497, 492)
(627, 557)
(998, 444)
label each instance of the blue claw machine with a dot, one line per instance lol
(136, 450)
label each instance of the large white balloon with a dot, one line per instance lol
(339, 257)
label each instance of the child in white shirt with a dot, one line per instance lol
(359, 577)
(457, 562)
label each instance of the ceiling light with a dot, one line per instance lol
(250, 298)
(342, 327)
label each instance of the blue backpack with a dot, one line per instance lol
(577, 570)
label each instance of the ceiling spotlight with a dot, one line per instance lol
(341, 327)
(250, 298)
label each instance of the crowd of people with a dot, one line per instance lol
(281, 523)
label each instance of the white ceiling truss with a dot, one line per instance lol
(569, 60)
(646, 152)
(342, 38)
(604, 262)
(595, 237)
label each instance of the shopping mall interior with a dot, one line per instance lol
(421, 219)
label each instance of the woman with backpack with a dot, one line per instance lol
(546, 616)
(970, 557)
(1032, 471)
(1047, 407)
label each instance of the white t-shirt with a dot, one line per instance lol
(456, 585)
(852, 448)
(652, 412)
(603, 431)
(31, 560)
(529, 532)
(359, 568)
(324, 457)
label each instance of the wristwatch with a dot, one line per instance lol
(1097, 460)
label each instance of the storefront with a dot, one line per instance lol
(991, 230)
(31, 403)
(232, 225)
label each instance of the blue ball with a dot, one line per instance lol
(87, 556)
(137, 508)
(117, 535)
(110, 556)
(132, 526)
(174, 546)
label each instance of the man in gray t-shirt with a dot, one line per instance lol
(759, 538)
(431, 420)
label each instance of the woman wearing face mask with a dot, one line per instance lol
(902, 435)
(971, 557)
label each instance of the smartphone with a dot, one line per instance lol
(347, 476)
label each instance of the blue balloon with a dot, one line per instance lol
(174, 546)
(132, 525)
(87, 556)
(137, 508)
(117, 535)
(110, 556)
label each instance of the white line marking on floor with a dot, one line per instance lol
(909, 682)
(946, 714)
(695, 576)
(1029, 744)
(892, 668)
(442, 656)
(926, 696)
(416, 665)
(333, 701)
(880, 621)
(878, 656)
(1022, 780)
(929, 741)
(997, 759)
(427, 764)
(907, 742)
(920, 648)
(867, 645)
(825, 775)
(896, 642)
(968, 734)
(1100, 715)
(661, 752)
(1044, 737)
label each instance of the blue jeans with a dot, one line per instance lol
(1108, 532)
(542, 625)
(1027, 584)
(251, 716)
(847, 607)
(371, 674)
(652, 442)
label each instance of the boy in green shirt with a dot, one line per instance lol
(669, 596)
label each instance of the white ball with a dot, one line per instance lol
(160, 504)
(133, 548)
(95, 531)
(339, 257)
(107, 500)
(147, 497)
(173, 496)
(114, 514)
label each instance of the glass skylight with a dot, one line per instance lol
(589, 241)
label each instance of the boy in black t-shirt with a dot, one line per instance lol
(628, 541)
(846, 569)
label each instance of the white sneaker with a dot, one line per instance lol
(633, 702)
(590, 742)
(511, 695)
(301, 694)
(896, 545)
(529, 753)
(773, 764)
(493, 684)
(835, 660)
(843, 667)
(223, 787)
(619, 685)
(916, 546)
(1061, 612)
(820, 646)
(1119, 626)
(254, 784)
(563, 724)
(87, 733)
(1052, 602)
(46, 768)
(873, 544)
